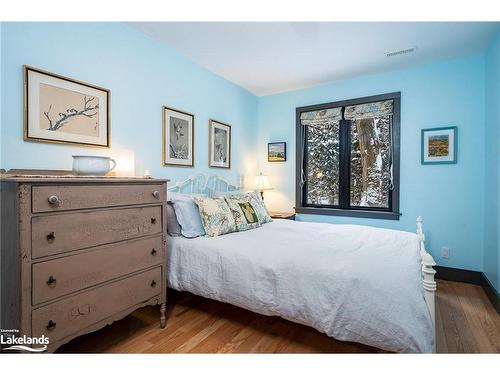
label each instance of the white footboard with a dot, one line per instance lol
(428, 273)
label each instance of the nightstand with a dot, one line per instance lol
(282, 215)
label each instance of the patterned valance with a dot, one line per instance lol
(322, 117)
(369, 110)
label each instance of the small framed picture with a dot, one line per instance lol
(276, 152)
(219, 146)
(439, 145)
(178, 138)
(59, 109)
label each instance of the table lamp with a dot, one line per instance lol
(262, 183)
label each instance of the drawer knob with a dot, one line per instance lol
(51, 325)
(51, 281)
(54, 200)
(153, 251)
(153, 284)
(156, 194)
(51, 237)
(153, 220)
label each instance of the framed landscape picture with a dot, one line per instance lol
(178, 138)
(219, 146)
(276, 151)
(62, 110)
(439, 145)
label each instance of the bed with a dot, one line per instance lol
(354, 283)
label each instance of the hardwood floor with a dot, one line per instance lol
(466, 322)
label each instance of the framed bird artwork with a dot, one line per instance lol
(62, 110)
(219, 144)
(178, 138)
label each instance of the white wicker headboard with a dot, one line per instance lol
(202, 184)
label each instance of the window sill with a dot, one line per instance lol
(345, 212)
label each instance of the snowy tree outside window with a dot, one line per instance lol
(323, 165)
(370, 162)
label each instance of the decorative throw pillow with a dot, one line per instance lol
(216, 216)
(258, 204)
(243, 212)
(259, 207)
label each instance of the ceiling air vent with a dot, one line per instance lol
(400, 52)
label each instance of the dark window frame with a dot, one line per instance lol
(344, 208)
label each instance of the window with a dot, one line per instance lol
(348, 157)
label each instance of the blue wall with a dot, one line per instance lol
(492, 172)
(142, 75)
(449, 197)
(459, 202)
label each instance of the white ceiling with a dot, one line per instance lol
(272, 57)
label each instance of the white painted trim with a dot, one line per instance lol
(202, 184)
(428, 273)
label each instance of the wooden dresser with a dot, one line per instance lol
(80, 253)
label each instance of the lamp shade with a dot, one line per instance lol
(125, 162)
(261, 183)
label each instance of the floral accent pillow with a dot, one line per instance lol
(216, 216)
(259, 207)
(244, 213)
(258, 204)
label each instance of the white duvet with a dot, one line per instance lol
(354, 283)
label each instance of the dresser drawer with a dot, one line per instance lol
(55, 234)
(72, 197)
(58, 277)
(70, 315)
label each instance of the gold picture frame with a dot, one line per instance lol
(51, 115)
